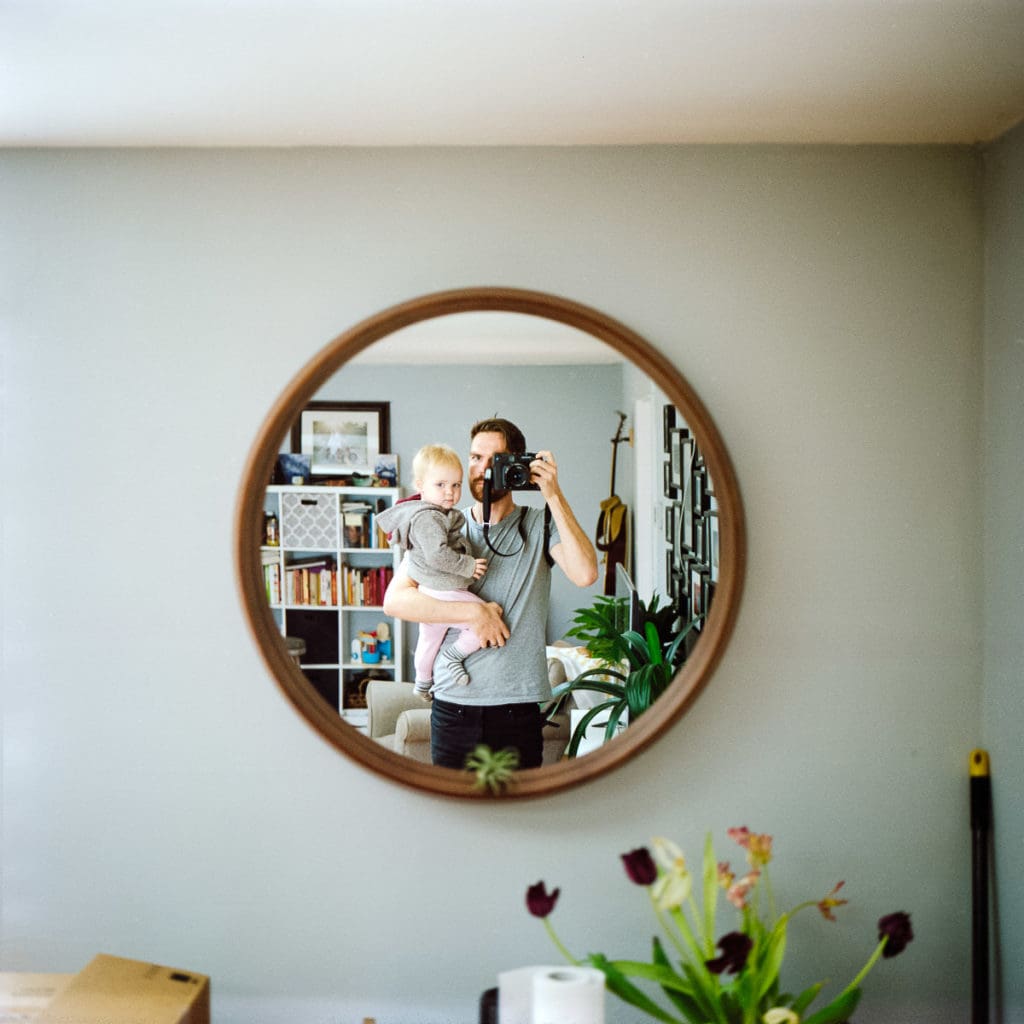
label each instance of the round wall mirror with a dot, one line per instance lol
(336, 448)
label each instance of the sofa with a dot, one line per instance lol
(400, 720)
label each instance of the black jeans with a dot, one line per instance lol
(456, 729)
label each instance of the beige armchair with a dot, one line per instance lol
(401, 721)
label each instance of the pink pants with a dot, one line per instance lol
(432, 634)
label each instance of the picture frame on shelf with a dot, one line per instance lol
(385, 470)
(343, 438)
(294, 468)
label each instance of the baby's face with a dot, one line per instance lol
(441, 485)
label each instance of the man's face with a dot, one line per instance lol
(482, 450)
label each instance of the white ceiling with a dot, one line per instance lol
(488, 338)
(507, 72)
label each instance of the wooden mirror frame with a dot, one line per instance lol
(697, 669)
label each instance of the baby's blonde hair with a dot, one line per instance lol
(434, 455)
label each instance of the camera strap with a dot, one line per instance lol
(520, 525)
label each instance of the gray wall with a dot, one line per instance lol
(162, 801)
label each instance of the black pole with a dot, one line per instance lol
(981, 825)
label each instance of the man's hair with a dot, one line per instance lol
(514, 440)
(434, 455)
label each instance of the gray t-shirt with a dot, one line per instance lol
(521, 584)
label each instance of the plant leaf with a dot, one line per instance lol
(805, 999)
(584, 724)
(771, 959)
(682, 998)
(838, 1011)
(618, 983)
(710, 898)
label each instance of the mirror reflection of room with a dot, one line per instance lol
(627, 465)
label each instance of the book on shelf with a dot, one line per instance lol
(312, 581)
(356, 521)
(272, 576)
(364, 586)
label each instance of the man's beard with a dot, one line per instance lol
(476, 488)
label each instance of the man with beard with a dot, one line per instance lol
(501, 706)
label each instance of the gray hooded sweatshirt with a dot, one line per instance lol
(439, 554)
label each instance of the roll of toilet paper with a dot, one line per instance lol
(568, 995)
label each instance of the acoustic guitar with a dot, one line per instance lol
(613, 521)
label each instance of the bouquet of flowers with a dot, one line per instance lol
(734, 978)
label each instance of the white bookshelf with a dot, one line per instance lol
(352, 569)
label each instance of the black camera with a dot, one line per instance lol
(512, 472)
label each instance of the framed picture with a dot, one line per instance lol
(698, 594)
(293, 468)
(386, 469)
(699, 480)
(668, 415)
(670, 489)
(712, 553)
(680, 456)
(699, 549)
(343, 438)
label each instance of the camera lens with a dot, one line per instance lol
(517, 475)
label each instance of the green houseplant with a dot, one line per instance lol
(638, 668)
(705, 977)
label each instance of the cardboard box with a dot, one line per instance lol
(112, 990)
(23, 996)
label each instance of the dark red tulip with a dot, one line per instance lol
(896, 928)
(539, 901)
(735, 949)
(640, 866)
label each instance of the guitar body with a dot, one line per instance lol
(612, 538)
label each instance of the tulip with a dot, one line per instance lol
(895, 930)
(735, 949)
(780, 1015)
(830, 901)
(640, 866)
(738, 893)
(673, 887)
(757, 844)
(539, 901)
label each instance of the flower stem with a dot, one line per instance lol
(670, 932)
(558, 943)
(872, 960)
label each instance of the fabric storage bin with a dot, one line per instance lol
(309, 521)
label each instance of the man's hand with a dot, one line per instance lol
(544, 473)
(488, 624)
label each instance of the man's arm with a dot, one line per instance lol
(573, 554)
(403, 600)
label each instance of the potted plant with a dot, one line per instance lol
(637, 670)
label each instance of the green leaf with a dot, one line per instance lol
(620, 985)
(805, 999)
(584, 724)
(710, 894)
(653, 643)
(771, 960)
(681, 997)
(613, 721)
(706, 991)
(838, 1011)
